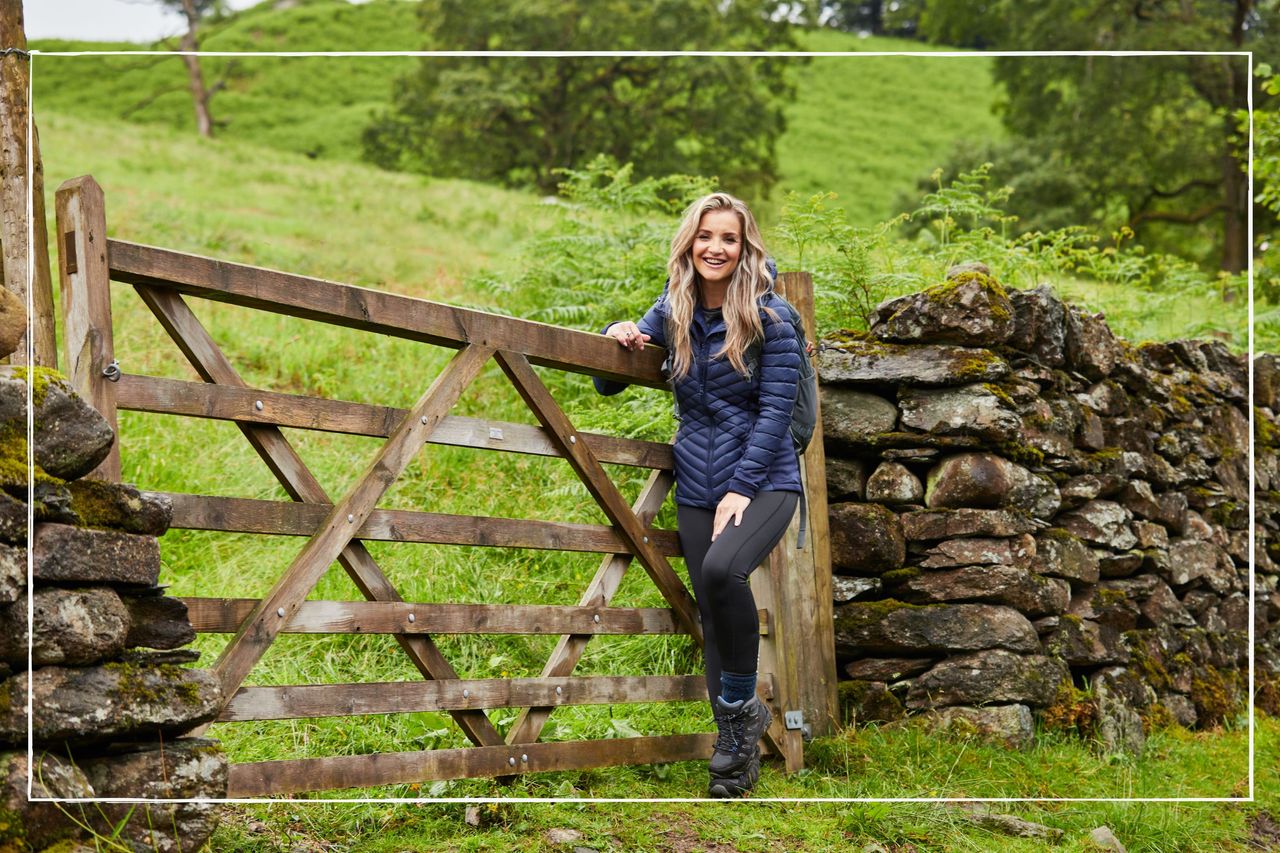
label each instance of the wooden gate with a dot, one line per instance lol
(797, 656)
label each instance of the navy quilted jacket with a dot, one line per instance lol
(734, 430)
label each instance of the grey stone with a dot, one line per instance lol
(987, 481)
(971, 310)
(893, 483)
(1186, 560)
(873, 362)
(846, 479)
(1107, 398)
(898, 628)
(39, 824)
(923, 525)
(990, 676)
(866, 539)
(1012, 825)
(13, 520)
(1118, 565)
(1101, 522)
(1150, 534)
(72, 627)
(158, 622)
(847, 589)
(65, 554)
(1090, 434)
(120, 506)
(1062, 554)
(13, 321)
(887, 669)
(1015, 551)
(967, 410)
(1039, 325)
(855, 417)
(1163, 608)
(1014, 586)
(188, 768)
(1106, 606)
(1182, 709)
(1119, 726)
(71, 437)
(1079, 489)
(1196, 528)
(13, 573)
(1083, 642)
(1091, 347)
(108, 702)
(1011, 726)
(867, 702)
(1106, 839)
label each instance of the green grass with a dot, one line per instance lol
(840, 136)
(871, 762)
(866, 128)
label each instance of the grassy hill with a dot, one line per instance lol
(865, 128)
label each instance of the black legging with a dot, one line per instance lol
(719, 571)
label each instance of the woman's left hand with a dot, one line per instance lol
(732, 505)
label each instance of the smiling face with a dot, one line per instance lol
(717, 246)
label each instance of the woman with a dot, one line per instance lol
(734, 362)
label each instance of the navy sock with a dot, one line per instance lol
(737, 686)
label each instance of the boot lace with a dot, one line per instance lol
(732, 731)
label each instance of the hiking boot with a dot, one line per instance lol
(738, 785)
(741, 725)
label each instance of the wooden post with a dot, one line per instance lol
(801, 619)
(23, 257)
(85, 283)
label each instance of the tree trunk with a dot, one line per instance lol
(17, 255)
(1235, 180)
(199, 94)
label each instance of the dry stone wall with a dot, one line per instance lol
(109, 682)
(1030, 515)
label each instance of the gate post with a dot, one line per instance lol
(801, 624)
(84, 281)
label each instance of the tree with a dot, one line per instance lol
(195, 11)
(518, 120)
(1152, 139)
(17, 254)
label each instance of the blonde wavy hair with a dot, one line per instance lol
(750, 281)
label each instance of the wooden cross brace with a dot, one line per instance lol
(334, 539)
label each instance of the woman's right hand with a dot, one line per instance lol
(628, 334)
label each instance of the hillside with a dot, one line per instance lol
(865, 128)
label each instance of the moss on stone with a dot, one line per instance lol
(1265, 433)
(1222, 513)
(1152, 669)
(1156, 716)
(894, 577)
(1022, 453)
(132, 686)
(997, 297)
(862, 613)
(1060, 534)
(1072, 710)
(12, 829)
(13, 459)
(1106, 454)
(1001, 394)
(40, 378)
(1109, 596)
(1214, 697)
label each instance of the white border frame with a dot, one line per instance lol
(632, 53)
